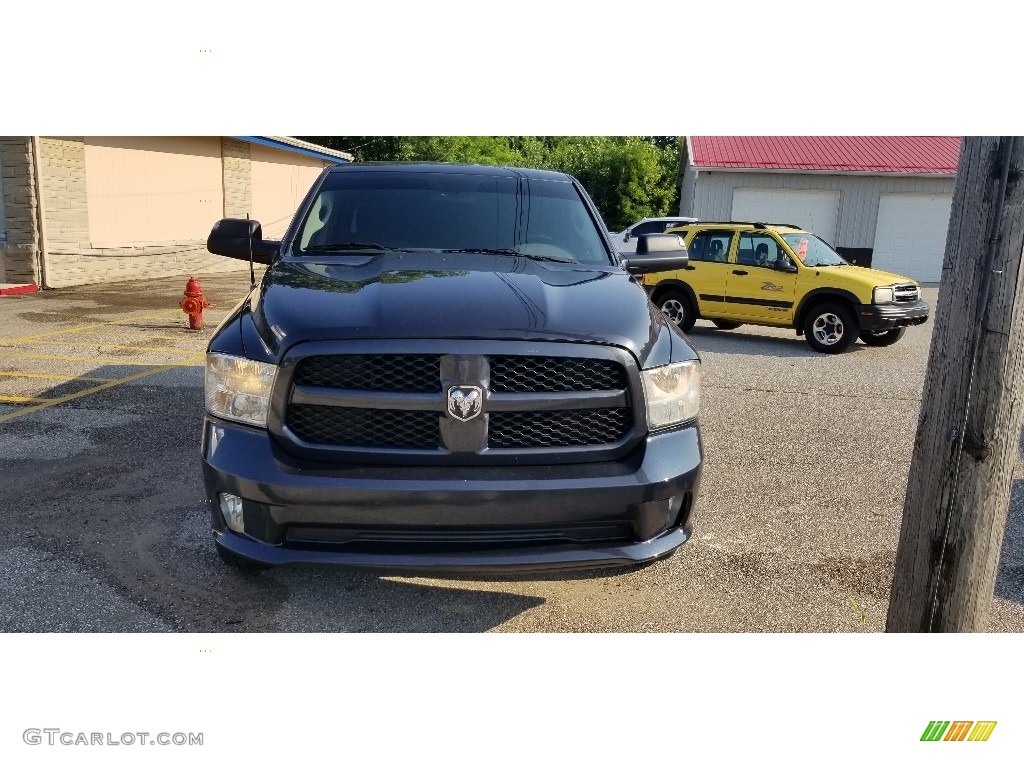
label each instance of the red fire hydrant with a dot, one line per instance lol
(193, 304)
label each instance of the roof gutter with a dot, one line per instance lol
(41, 213)
(294, 149)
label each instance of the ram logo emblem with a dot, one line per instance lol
(465, 403)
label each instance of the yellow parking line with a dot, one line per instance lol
(20, 399)
(23, 374)
(98, 388)
(100, 344)
(123, 361)
(191, 335)
(93, 325)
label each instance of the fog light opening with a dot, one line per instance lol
(231, 508)
(679, 510)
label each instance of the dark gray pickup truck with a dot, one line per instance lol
(448, 368)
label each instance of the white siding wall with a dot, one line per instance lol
(859, 196)
(907, 240)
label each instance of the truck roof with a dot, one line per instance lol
(417, 166)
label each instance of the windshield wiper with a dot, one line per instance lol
(509, 252)
(348, 247)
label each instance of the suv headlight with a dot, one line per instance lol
(239, 389)
(671, 393)
(882, 295)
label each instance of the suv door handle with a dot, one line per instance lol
(688, 267)
(739, 272)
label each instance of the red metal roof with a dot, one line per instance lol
(872, 154)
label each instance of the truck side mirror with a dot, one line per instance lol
(237, 238)
(657, 253)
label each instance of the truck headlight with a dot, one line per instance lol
(238, 389)
(672, 393)
(882, 295)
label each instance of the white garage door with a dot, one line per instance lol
(813, 210)
(910, 237)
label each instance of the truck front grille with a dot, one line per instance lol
(559, 429)
(372, 373)
(364, 427)
(552, 374)
(533, 405)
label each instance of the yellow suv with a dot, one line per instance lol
(784, 276)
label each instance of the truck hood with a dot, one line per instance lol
(457, 296)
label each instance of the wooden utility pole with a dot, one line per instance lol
(968, 433)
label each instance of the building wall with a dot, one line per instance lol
(708, 195)
(145, 190)
(75, 257)
(19, 249)
(280, 180)
(237, 178)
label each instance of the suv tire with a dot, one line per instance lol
(830, 328)
(726, 325)
(676, 306)
(882, 338)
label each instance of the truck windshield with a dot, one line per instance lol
(813, 251)
(383, 210)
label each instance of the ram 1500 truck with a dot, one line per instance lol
(448, 368)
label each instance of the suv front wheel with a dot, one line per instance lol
(830, 328)
(676, 306)
(882, 338)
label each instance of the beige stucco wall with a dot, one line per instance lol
(76, 257)
(279, 182)
(124, 208)
(144, 190)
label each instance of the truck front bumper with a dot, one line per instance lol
(452, 519)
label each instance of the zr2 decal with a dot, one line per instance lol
(772, 287)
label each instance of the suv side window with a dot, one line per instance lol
(711, 246)
(759, 249)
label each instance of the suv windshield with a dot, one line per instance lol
(444, 211)
(813, 251)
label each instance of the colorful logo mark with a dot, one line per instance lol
(958, 730)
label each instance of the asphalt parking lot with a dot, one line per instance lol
(105, 526)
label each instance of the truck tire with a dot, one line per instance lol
(676, 306)
(830, 328)
(882, 338)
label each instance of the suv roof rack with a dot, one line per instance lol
(758, 224)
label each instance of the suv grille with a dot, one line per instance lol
(906, 292)
(397, 402)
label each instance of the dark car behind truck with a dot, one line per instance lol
(448, 368)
